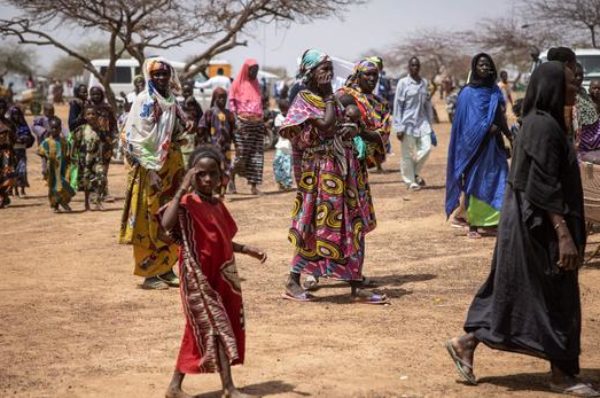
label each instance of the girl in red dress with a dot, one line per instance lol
(214, 335)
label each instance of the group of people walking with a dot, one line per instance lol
(174, 212)
(73, 160)
(530, 302)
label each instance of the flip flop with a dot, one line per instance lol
(459, 223)
(373, 299)
(474, 235)
(303, 297)
(576, 390)
(469, 377)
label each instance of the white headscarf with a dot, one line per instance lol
(151, 121)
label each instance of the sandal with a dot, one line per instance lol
(473, 235)
(169, 278)
(303, 297)
(459, 222)
(577, 390)
(469, 377)
(154, 283)
(370, 298)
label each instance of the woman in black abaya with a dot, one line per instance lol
(530, 301)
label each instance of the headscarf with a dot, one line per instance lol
(364, 66)
(156, 64)
(377, 61)
(243, 89)
(309, 61)
(151, 121)
(490, 81)
(544, 93)
(542, 148)
(476, 162)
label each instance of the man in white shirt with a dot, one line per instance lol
(219, 80)
(412, 119)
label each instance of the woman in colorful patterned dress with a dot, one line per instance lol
(152, 134)
(333, 209)
(374, 110)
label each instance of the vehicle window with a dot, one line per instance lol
(591, 64)
(122, 74)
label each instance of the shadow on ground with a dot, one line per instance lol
(261, 389)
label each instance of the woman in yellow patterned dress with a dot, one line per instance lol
(152, 135)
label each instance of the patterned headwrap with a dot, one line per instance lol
(364, 66)
(377, 61)
(156, 64)
(309, 61)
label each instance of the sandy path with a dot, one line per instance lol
(74, 323)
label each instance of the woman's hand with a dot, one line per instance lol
(255, 253)
(569, 258)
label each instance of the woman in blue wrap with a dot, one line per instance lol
(477, 160)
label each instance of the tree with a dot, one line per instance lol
(67, 67)
(139, 27)
(437, 50)
(508, 42)
(17, 59)
(582, 14)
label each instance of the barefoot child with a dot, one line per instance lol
(91, 148)
(214, 335)
(56, 152)
(282, 162)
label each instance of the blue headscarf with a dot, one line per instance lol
(309, 61)
(476, 163)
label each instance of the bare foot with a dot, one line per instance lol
(176, 392)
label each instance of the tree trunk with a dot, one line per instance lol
(593, 32)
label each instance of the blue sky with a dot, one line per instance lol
(377, 24)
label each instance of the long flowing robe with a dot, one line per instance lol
(528, 304)
(333, 209)
(151, 145)
(210, 286)
(477, 162)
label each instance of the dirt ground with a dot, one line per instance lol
(74, 322)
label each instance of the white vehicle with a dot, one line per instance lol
(589, 58)
(127, 69)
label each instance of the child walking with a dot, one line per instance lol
(282, 162)
(55, 150)
(214, 337)
(24, 140)
(217, 127)
(91, 151)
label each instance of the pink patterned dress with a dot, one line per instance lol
(333, 209)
